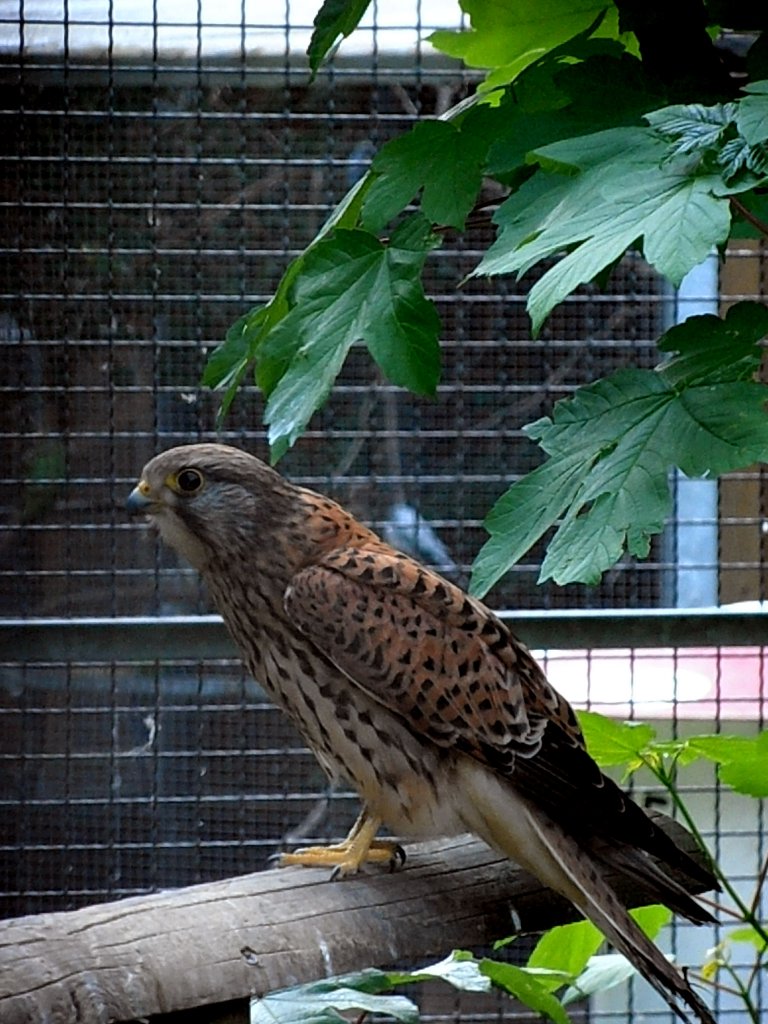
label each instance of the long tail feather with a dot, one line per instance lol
(651, 877)
(585, 886)
(528, 835)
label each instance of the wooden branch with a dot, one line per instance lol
(228, 940)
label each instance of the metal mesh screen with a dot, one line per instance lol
(158, 170)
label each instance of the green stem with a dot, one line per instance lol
(743, 991)
(759, 887)
(718, 986)
(667, 781)
(755, 971)
(748, 914)
(738, 989)
(720, 908)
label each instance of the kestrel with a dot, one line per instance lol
(413, 693)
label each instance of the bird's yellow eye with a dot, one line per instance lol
(188, 481)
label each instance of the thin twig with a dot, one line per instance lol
(759, 886)
(713, 984)
(749, 216)
(721, 908)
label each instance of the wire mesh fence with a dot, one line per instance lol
(158, 171)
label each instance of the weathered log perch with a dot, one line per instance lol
(228, 940)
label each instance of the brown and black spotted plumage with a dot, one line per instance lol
(412, 692)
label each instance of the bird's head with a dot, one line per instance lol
(206, 499)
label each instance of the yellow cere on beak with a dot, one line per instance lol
(139, 499)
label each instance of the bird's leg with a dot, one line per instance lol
(346, 857)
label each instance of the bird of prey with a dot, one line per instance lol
(415, 694)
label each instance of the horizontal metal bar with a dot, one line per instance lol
(194, 638)
(272, 71)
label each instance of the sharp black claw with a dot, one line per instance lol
(336, 874)
(398, 858)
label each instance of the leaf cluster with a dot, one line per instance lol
(586, 181)
(606, 482)
(742, 762)
(566, 964)
(564, 960)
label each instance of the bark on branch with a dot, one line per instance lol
(228, 940)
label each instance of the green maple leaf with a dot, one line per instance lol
(351, 289)
(612, 189)
(611, 447)
(752, 114)
(742, 761)
(335, 20)
(527, 987)
(367, 991)
(508, 37)
(613, 743)
(228, 363)
(444, 160)
(574, 106)
(324, 1002)
(565, 950)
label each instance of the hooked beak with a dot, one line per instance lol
(139, 500)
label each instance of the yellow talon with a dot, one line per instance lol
(346, 858)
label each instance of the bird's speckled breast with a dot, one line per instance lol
(402, 781)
